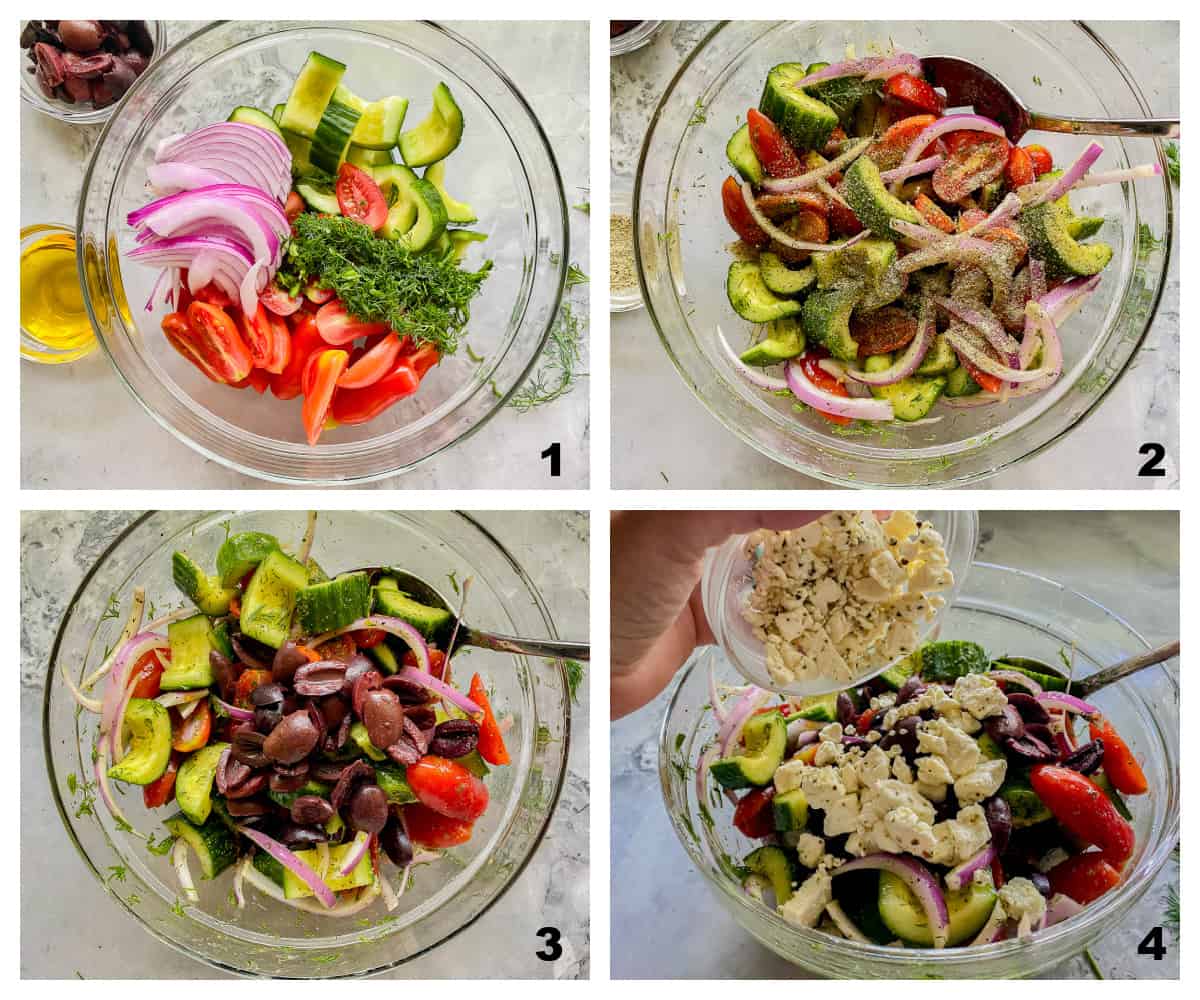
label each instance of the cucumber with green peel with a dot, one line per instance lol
(842, 94)
(332, 136)
(784, 340)
(211, 842)
(1040, 672)
(866, 262)
(818, 708)
(383, 655)
(778, 867)
(458, 212)
(252, 116)
(911, 398)
(296, 888)
(804, 121)
(368, 158)
(379, 126)
(741, 154)
(206, 592)
(969, 909)
(301, 150)
(895, 675)
(191, 641)
(429, 621)
(946, 661)
(270, 599)
(194, 782)
(753, 300)
(431, 217)
(394, 782)
(764, 739)
(319, 197)
(319, 788)
(461, 240)
(315, 573)
(781, 279)
(1046, 228)
(147, 725)
(826, 319)
(221, 640)
(277, 113)
(438, 135)
(323, 607)
(868, 197)
(941, 359)
(417, 215)
(1080, 227)
(311, 93)
(790, 810)
(360, 738)
(242, 552)
(960, 383)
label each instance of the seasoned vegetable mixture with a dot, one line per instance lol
(951, 801)
(300, 728)
(897, 254)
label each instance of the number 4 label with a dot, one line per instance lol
(1152, 945)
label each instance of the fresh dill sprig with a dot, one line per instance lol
(575, 276)
(1173, 161)
(559, 371)
(113, 609)
(699, 113)
(1171, 914)
(426, 296)
(574, 671)
(584, 206)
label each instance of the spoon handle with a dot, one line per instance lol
(1121, 670)
(553, 648)
(1160, 128)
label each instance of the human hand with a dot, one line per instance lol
(657, 616)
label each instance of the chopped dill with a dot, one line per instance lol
(699, 113)
(72, 783)
(1173, 161)
(452, 576)
(116, 872)
(559, 369)
(575, 276)
(584, 206)
(477, 358)
(113, 609)
(177, 908)
(160, 847)
(574, 671)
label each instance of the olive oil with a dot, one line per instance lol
(54, 324)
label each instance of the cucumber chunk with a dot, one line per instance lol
(252, 116)
(148, 729)
(778, 867)
(319, 197)
(206, 591)
(765, 740)
(875, 207)
(781, 279)
(194, 782)
(1046, 227)
(240, 553)
(380, 124)
(960, 383)
(818, 708)
(785, 340)
(458, 212)
(941, 359)
(392, 779)
(270, 599)
(826, 319)
(438, 135)
(428, 620)
(969, 909)
(741, 155)
(191, 641)
(751, 298)
(332, 136)
(790, 811)
(805, 121)
(368, 158)
(946, 661)
(323, 607)
(911, 398)
(211, 842)
(311, 92)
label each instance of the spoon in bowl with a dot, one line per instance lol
(1120, 671)
(969, 85)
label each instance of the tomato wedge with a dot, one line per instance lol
(193, 732)
(754, 816)
(359, 197)
(914, 91)
(1040, 155)
(888, 150)
(279, 302)
(375, 363)
(148, 670)
(358, 406)
(819, 377)
(1084, 877)
(1082, 808)
(448, 788)
(738, 215)
(491, 740)
(212, 343)
(338, 327)
(437, 662)
(213, 295)
(326, 369)
(258, 333)
(432, 830)
(774, 152)
(159, 792)
(294, 207)
(932, 213)
(988, 383)
(1120, 765)
(305, 339)
(1019, 168)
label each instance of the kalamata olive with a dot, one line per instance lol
(247, 747)
(328, 770)
(356, 666)
(223, 672)
(368, 809)
(139, 37)
(266, 719)
(102, 93)
(120, 78)
(1086, 759)
(1040, 731)
(292, 740)
(909, 690)
(333, 708)
(343, 732)
(1030, 749)
(287, 659)
(420, 737)
(281, 782)
(230, 772)
(296, 836)
(248, 807)
(254, 784)
(845, 709)
(999, 820)
(423, 716)
(80, 36)
(404, 752)
(409, 692)
(1008, 725)
(849, 742)
(904, 735)
(136, 61)
(372, 680)
(1030, 709)
(51, 69)
(315, 680)
(383, 716)
(1041, 882)
(395, 842)
(454, 738)
(311, 810)
(267, 694)
(300, 769)
(359, 771)
(251, 652)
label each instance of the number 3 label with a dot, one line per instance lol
(554, 949)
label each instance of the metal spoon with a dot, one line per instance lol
(1089, 685)
(968, 85)
(419, 590)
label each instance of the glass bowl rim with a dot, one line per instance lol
(241, 465)
(1091, 914)
(746, 437)
(518, 870)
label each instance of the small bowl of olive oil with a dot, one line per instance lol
(55, 328)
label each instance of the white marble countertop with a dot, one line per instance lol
(1129, 562)
(71, 927)
(688, 449)
(60, 449)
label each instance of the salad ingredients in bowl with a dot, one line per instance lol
(303, 734)
(298, 256)
(898, 255)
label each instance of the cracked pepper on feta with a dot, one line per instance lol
(844, 595)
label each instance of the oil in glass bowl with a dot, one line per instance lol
(55, 328)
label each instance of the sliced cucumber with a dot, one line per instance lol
(270, 599)
(429, 620)
(323, 607)
(804, 120)
(301, 150)
(438, 135)
(211, 841)
(777, 867)
(969, 909)
(461, 240)
(206, 591)
(332, 136)
(240, 553)
(395, 181)
(252, 116)
(781, 279)
(456, 211)
(277, 113)
(765, 739)
(310, 94)
(194, 782)
(417, 218)
(818, 708)
(380, 124)
(753, 300)
(785, 340)
(148, 728)
(368, 158)
(191, 642)
(741, 155)
(318, 197)
(911, 398)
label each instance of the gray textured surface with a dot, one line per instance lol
(70, 926)
(59, 451)
(1127, 562)
(691, 450)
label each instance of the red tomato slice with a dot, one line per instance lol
(368, 638)
(774, 152)
(279, 302)
(1019, 168)
(374, 364)
(159, 792)
(916, 92)
(1042, 160)
(315, 293)
(988, 383)
(889, 149)
(423, 358)
(1120, 765)
(213, 295)
(359, 197)
(491, 740)
(823, 380)
(359, 406)
(970, 165)
(738, 215)
(437, 662)
(1082, 808)
(843, 220)
(338, 327)
(247, 682)
(326, 368)
(1084, 877)
(148, 670)
(754, 816)
(257, 333)
(281, 343)
(305, 339)
(448, 788)
(432, 830)
(294, 207)
(193, 732)
(932, 213)
(213, 337)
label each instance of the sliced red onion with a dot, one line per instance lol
(244, 154)
(986, 323)
(170, 699)
(1009, 207)
(90, 704)
(398, 627)
(1064, 299)
(233, 711)
(741, 711)
(918, 879)
(779, 235)
(949, 123)
(870, 68)
(239, 878)
(987, 364)
(844, 923)
(960, 249)
(427, 680)
(839, 406)
(292, 864)
(735, 731)
(268, 210)
(1059, 908)
(786, 185)
(179, 860)
(1067, 703)
(127, 655)
(911, 359)
(919, 233)
(993, 928)
(961, 874)
(1037, 279)
(1141, 172)
(362, 843)
(925, 166)
(1061, 185)
(100, 773)
(1018, 678)
(170, 178)
(756, 377)
(830, 192)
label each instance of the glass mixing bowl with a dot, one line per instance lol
(1006, 611)
(504, 167)
(268, 938)
(681, 238)
(728, 579)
